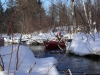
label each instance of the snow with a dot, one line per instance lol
(30, 38)
(84, 44)
(26, 61)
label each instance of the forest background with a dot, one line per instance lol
(27, 16)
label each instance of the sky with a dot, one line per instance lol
(46, 3)
(4, 3)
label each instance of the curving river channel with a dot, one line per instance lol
(78, 65)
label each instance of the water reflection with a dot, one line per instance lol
(36, 48)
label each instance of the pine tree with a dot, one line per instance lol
(30, 12)
(1, 17)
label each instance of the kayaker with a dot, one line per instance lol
(58, 37)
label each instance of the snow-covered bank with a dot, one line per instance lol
(84, 44)
(26, 61)
(33, 37)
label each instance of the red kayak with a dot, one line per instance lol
(54, 45)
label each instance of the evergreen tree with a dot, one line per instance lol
(1, 17)
(9, 12)
(30, 14)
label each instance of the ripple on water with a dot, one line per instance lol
(78, 65)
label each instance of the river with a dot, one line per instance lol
(78, 65)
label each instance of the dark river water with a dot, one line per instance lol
(78, 65)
